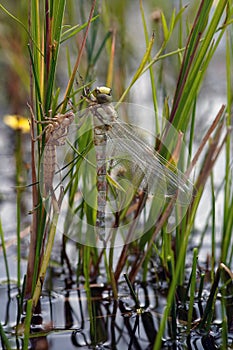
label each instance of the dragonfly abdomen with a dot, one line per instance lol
(100, 142)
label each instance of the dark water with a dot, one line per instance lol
(69, 317)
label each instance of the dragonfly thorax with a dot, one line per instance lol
(104, 116)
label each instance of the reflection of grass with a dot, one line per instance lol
(46, 35)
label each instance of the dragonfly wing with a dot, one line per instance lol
(149, 169)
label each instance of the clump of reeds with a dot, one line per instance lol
(47, 34)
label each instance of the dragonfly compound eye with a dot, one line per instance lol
(103, 94)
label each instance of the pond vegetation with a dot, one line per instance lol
(152, 279)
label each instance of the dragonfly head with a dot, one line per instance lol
(103, 94)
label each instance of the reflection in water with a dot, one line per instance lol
(73, 318)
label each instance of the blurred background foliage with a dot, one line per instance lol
(121, 17)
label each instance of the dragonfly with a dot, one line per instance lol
(117, 143)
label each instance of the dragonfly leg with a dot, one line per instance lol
(56, 206)
(61, 196)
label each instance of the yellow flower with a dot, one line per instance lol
(17, 122)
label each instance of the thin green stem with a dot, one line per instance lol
(19, 161)
(5, 341)
(4, 253)
(192, 288)
(27, 324)
(46, 258)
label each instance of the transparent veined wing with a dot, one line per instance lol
(149, 169)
